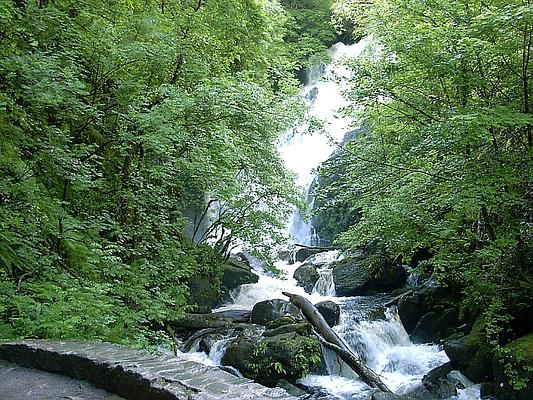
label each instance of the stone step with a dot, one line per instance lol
(135, 374)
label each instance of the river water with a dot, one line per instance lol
(372, 331)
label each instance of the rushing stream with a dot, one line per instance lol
(372, 331)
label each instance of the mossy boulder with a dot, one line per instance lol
(302, 328)
(236, 273)
(287, 356)
(414, 305)
(513, 370)
(435, 325)
(208, 291)
(204, 294)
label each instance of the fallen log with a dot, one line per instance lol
(329, 338)
(224, 319)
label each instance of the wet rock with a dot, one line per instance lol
(290, 388)
(270, 310)
(202, 295)
(360, 274)
(434, 326)
(306, 275)
(330, 311)
(414, 305)
(487, 390)
(460, 351)
(389, 396)
(438, 383)
(237, 273)
(305, 252)
(519, 354)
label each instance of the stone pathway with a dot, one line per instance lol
(134, 374)
(19, 383)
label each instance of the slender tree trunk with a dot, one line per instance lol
(329, 338)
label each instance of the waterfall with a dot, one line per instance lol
(325, 286)
(303, 152)
(372, 331)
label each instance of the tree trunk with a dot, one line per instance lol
(329, 338)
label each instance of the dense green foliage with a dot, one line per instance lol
(447, 162)
(118, 119)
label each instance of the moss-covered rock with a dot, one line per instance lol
(435, 325)
(303, 329)
(204, 295)
(237, 273)
(513, 370)
(286, 356)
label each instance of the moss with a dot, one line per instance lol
(513, 370)
(287, 356)
(522, 349)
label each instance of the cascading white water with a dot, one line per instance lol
(302, 151)
(324, 286)
(373, 332)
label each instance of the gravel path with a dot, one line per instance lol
(19, 383)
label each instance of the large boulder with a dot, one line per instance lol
(438, 384)
(513, 370)
(330, 311)
(305, 252)
(267, 311)
(360, 274)
(287, 356)
(205, 292)
(306, 276)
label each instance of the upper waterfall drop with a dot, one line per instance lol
(302, 151)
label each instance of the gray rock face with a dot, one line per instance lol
(330, 311)
(133, 374)
(267, 311)
(360, 274)
(306, 275)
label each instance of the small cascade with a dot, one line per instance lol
(325, 286)
(218, 349)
